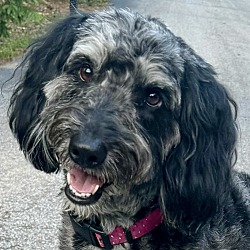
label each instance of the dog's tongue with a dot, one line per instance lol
(82, 182)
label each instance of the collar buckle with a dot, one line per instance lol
(93, 235)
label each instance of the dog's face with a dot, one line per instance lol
(112, 99)
(103, 113)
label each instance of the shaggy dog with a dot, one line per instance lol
(142, 130)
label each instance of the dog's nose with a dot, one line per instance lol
(87, 152)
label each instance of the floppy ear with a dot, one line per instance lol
(197, 171)
(43, 62)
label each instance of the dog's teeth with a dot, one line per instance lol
(68, 178)
(82, 195)
(96, 188)
(85, 195)
(72, 189)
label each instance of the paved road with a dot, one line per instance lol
(219, 30)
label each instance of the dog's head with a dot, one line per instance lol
(130, 113)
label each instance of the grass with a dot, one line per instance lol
(20, 37)
(46, 12)
(14, 46)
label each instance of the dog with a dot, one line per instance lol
(142, 131)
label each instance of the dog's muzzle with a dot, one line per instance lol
(87, 153)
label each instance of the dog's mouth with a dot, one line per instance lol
(82, 188)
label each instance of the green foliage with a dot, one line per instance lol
(15, 11)
(14, 46)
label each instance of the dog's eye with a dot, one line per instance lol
(86, 73)
(153, 99)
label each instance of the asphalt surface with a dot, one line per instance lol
(218, 30)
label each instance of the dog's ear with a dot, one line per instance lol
(197, 171)
(44, 61)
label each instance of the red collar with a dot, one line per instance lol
(95, 236)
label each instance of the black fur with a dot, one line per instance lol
(198, 171)
(28, 98)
